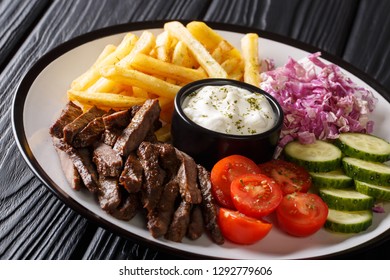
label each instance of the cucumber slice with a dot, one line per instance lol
(348, 222)
(346, 200)
(379, 192)
(364, 146)
(333, 179)
(319, 156)
(375, 173)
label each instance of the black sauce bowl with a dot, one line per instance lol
(208, 146)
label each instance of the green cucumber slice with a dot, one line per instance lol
(319, 156)
(348, 222)
(346, 200)
(333, 179)
(375, 173)
(364, 146)
(379, 192)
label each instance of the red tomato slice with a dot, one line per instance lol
(241, 229)
(255, 195)
(224, 172)
(301, 214)
(291, 177)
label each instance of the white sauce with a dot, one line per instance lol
(230, 109)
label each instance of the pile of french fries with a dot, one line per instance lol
(157, 66)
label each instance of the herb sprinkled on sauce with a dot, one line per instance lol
(230, 109)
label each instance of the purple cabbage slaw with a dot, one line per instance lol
(318, 100)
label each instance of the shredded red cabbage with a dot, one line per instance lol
(318, 100)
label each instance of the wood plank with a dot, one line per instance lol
(16, 18)
(323, 24)
(368, 46)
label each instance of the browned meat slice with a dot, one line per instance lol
(209, 208)
(110, 136)
(187, 178)
(168, 158)
(131, 177)
(73, 128)
(153, 175)
(195, 228)
(68, 115)
(128, 207)
(134, 110)
(82, 161)
(181, 219)
(108, 162)
(140, 125)
(160, 218)
(70, 171)
(109, 195)
(119, 119)
(89, 134)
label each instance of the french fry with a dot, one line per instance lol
(144, 45)
(204, 34)
(234, 67)
(181, 56)
(85, 81)
(139, 92)
(163, 46)
(213, 68)
(79, 80)
(136, 78)
(249, 47)
(103, 99)
(164, 133)
(217, 55)
(166, 111)
(157, 67)
(211, 39)
(105, 85)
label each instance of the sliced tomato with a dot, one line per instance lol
(291, 177)
(255, 195)
(224, 172)
(301, 214)
(241, 229)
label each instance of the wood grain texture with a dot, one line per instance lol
(323, 24)
(368, 46)
(17, 18)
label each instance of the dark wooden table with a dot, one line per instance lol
(34, 223)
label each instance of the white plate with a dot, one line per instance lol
(42, 95)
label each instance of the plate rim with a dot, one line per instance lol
(33, 72)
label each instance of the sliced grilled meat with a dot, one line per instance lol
(119, 119)
(108, 162)
(68, 115)
(168, 159)
(195, 228)
(128, 207)
(187, 178)
(181, 219)
(73, 128)
(110, 136)
(109, 195)
(82, 161)
(160, 218)
(153, 175)
(209, 208)
(90, 134)
(70, 171)
(132, 174)
(140, 125)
